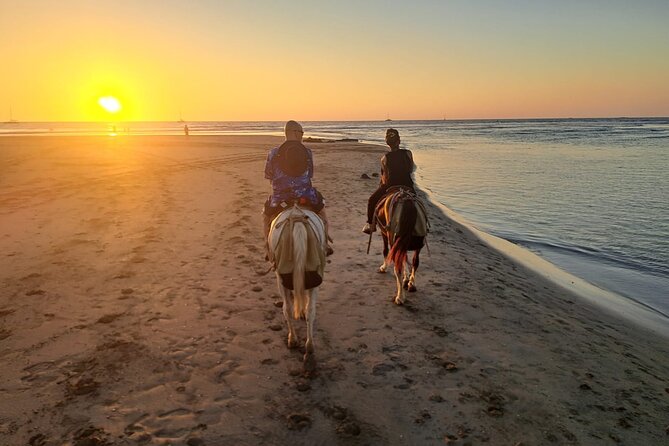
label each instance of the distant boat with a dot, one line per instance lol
(181, 118)
(388, 118)
(11, 119)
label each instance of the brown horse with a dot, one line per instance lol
(403, 223)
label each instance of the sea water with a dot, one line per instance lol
(589, 195)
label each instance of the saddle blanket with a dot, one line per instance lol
(283, 252)
(394, 204)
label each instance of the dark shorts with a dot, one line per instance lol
(273, 211)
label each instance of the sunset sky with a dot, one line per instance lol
(326, 60)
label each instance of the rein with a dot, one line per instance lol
(271, 268)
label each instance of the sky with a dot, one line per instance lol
(325, 60)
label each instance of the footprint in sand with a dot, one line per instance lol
(298, 421)
(347, 424)
(172, 426)
(227, 368)
(81, 386)
(440, 331)
(495, 403)
(91, 435)
(42, 372)
(7, 312)
(109, 318)
(422, 417)
(382, 368)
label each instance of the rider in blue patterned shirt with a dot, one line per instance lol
(285, 187)
(291, 179)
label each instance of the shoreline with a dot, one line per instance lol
(645, 316)
(625, 307)
(133, 313)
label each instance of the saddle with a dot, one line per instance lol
(302, 203)
(282, 255)
(391, 204)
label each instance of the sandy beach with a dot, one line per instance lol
(132, 312)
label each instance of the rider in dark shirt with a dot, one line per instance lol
(396, 168)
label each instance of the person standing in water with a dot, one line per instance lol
(396, 168)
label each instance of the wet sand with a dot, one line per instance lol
(131, 313)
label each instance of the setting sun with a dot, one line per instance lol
(110, 104)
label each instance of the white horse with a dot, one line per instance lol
(297, 248)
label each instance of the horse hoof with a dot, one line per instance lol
(405, 284)
(292, 343)
(398, 302)
(309, 363)
(412, 288)
(381, 270)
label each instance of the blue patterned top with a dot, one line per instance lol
(285, 187)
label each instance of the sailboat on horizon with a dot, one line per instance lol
(11, 118)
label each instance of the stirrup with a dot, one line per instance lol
(369, 228)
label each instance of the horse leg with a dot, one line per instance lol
(414, 266)
(384, 266)
(405, 275)
(309, 357)
(288, 313)
(399, 298)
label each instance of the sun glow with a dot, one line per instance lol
(110, 104)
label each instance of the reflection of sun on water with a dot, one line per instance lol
(110, 103)
(112, 106)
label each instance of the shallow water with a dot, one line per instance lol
(590, 195)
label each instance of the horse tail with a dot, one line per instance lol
(300, 245)
(407, 223)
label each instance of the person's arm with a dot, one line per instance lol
(310, 168)
(268, 166)
(413, 164)
(384, 170)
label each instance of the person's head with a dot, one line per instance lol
(293, 131)
(393, 138)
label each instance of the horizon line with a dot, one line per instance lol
(350, 120)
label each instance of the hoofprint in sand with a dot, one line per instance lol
(131, 312)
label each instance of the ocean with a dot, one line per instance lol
(589, 195)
